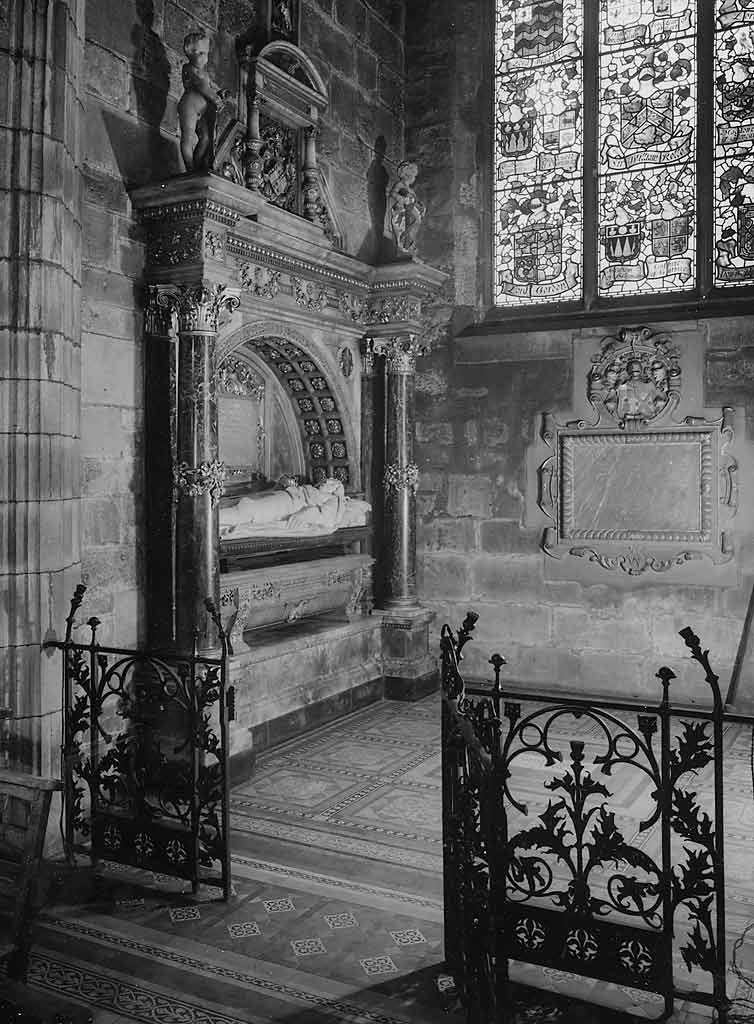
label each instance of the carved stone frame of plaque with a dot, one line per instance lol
(637, 483)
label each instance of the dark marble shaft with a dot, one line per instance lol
(197, 556)
(400, 497)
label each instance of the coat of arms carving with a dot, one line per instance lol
(635, 378)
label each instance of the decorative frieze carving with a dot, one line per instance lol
(391, 308)
(308, 295)
(401, 352)
(189, 209)
(179, 244)
(401, 477)
(352, 306)
(260, 281)
(214, 245)
(206, 478)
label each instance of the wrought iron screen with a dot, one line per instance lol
(546, 861)
(145, 749)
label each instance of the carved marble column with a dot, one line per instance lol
(160, 431)
(401, 473)
(41, 50)
(198, 471)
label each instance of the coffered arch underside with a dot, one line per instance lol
(318, 404)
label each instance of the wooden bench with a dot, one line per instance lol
(24, 810)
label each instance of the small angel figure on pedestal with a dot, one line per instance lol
(197, 108)
(405, 210)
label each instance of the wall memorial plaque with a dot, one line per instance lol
(637, 485)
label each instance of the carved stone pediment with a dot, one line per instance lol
(639, 480)
(269, 145)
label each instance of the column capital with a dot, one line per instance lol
(158, 311)
(400, 350)
(199, 308)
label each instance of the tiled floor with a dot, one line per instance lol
(337, 912)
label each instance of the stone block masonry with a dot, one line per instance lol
(41, 50)
(478, 548)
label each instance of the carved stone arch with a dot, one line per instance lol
(294, 62)
(310, 382)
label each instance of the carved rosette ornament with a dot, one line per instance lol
(206, 478)
(398, 478)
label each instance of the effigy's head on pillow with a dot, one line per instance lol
(332, 486)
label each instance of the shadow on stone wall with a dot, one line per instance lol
(375, 247)
(142, 152)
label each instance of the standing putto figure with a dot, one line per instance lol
(197, 108)
(405, 210)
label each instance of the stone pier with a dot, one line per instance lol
(41, 47)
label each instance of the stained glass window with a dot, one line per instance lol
(603, 189)
(734, 143)
(647, 146)
(538, 141)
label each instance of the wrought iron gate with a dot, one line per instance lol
(562, 879)
(145, 749)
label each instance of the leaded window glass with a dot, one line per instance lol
(624, 150)
(734, 138)
(538, 141)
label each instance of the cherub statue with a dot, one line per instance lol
(197, 108)
(405, 210)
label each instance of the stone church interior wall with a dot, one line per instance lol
(133, 66)
(478, 549)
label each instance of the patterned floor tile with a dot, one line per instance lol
(243, 929)
(345, 920)
(180, 914)
(278, 906)
(398, 808)
(378, 965)
(407, 937)
(308, 947)
(298, 787)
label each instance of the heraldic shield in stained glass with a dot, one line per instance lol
(646, 138)
(538, 152)
(734, 143)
